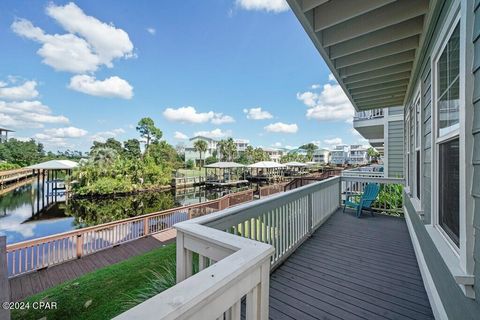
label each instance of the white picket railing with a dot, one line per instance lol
(236, 249)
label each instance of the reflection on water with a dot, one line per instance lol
(28, 213)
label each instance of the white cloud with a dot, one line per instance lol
(220, 118)
(102, 136)
(275, 6)
(257, 114)
(355, 132)
(59, 137)
(315, 86)
(89, 44)
(191, 115)
(214, 134)
(68, 132)
(28, 114)
(333, 141)
(277, 144)
(107, 41)
(180, 135)
(282, 127)
(113, 87)
(25, 91)
(329, 105)
(318, 143)
(331, 77)
(187, 114)
(152, 31)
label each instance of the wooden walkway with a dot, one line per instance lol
(35, 282)
(351, 269)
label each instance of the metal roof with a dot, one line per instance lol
(295, 164)
(55, 165)
(224, 165)
(266, 165)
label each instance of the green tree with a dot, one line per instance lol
(228, 149)
(22, 153)
(201, 147)
(310, 148)
(148, 131)
(260, 155)
(131, 149)
(211, 160)
(373, 154)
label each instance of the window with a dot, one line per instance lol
(418, 132)
(447, 138)
(448, 188)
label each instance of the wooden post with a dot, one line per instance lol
(4, 284)
(310, 212)
(146, 227)
(79, 245)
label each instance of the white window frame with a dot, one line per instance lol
(459, 259)
(417, 102)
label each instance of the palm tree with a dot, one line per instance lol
(250, 154)
(201, 147)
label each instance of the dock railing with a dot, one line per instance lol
(35, 254)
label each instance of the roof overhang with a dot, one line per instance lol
(371, 46)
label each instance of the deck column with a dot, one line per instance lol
(310, 213)
(4, 284)
(79, 245)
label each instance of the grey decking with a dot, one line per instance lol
(351, 269)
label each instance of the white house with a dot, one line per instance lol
(192, 154)
(321, 156)
(358, 155)
(339, 155)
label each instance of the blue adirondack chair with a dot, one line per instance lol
(368, 197)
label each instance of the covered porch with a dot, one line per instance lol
(295, 255)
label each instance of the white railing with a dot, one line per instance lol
(364, 172)
(35, 254)
(369, 114)
(236, 249)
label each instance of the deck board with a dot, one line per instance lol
(351, 268)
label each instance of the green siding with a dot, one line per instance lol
(454, 301)
(395, 148)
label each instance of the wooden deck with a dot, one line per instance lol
(351, 269)
(31, 283)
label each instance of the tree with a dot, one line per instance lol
(373, 154)
(22, 153)
(103, 156)
(210, 160)
(249, 154)
(260, 155)
(148, 131)
(164, 154)
(201, 147)
(131, 149)
(310, 148)
(228, 149)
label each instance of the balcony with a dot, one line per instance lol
(296, 255)
(370, 124)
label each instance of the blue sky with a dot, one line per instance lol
(74, 72)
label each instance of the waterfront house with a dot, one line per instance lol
(192, 154)
(357, 155)
(275, 154)
(339, 155)
(321, 156)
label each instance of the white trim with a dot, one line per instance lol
(459, 259)
(432, 293)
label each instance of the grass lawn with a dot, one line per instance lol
(104, 293)
(192, 172)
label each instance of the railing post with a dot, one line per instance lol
(310, 213)
(146, 226)
(184, 259)
(79, 245)
(4, 284)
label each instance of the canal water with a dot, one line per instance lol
(27, 214)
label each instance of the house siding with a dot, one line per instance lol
(454, 301)
(395, 148)
(426, 100)
(476, 143)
